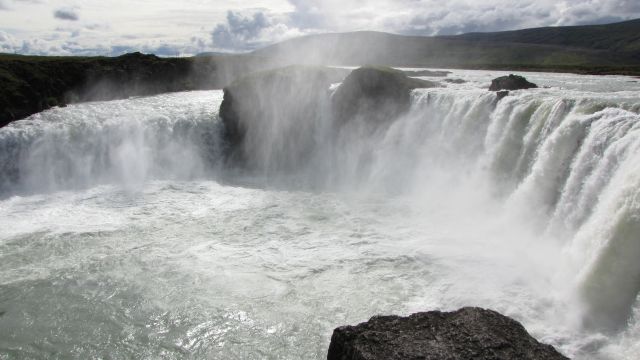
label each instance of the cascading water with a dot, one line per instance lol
(116, 240)
(125, 142)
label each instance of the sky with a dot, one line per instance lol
(187, 27)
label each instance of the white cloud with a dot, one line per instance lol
(8, 43)
(191, 26)
(239, 31)
(245, 32)
(431, 17)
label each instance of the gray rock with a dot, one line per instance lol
(469, 333)
(501, 94)
(375, 94)
(511, 82)
(269, 116)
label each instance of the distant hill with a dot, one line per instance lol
(623, 37)
(593, 48)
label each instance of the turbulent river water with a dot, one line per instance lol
(124, 235)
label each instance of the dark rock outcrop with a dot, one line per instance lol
(30, 84)
(376, 94)
(511, 82)
(501, 94)
(272, 118)
(469, 333)
(269, 116)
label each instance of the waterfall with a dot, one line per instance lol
(125, 142)
(570, 166)
(565, 163)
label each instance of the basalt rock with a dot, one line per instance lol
(375, 95)
(270, 116)
(511, 82)
(501, 94)
(469, 333)
(30, 84)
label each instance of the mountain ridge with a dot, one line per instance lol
(616, 44)
(621, 36)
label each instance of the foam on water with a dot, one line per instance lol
(118, 238)
(125, 142)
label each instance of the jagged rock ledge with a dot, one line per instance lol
(469, 333)
(379, 94)
(504, 84)
(511, 82)
(285, 103)
(30, 84)
(292, 104)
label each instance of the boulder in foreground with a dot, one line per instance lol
(469, 333)
(511, 82)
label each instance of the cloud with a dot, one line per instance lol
(77, 43)
(436, 17)
(9, 4)
(249, 32)
(412, 17)
(186, 27)
(239, 31)
(8, 44)
(308, 14)
(66, 14)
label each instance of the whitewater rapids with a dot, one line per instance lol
(124, 235)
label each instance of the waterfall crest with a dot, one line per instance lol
(124, 142)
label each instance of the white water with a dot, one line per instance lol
(122, 235)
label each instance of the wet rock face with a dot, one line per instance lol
(501, 94)
(30, 84)
(375, 94)
(469, 333)
(511, 82)
(270, 117)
